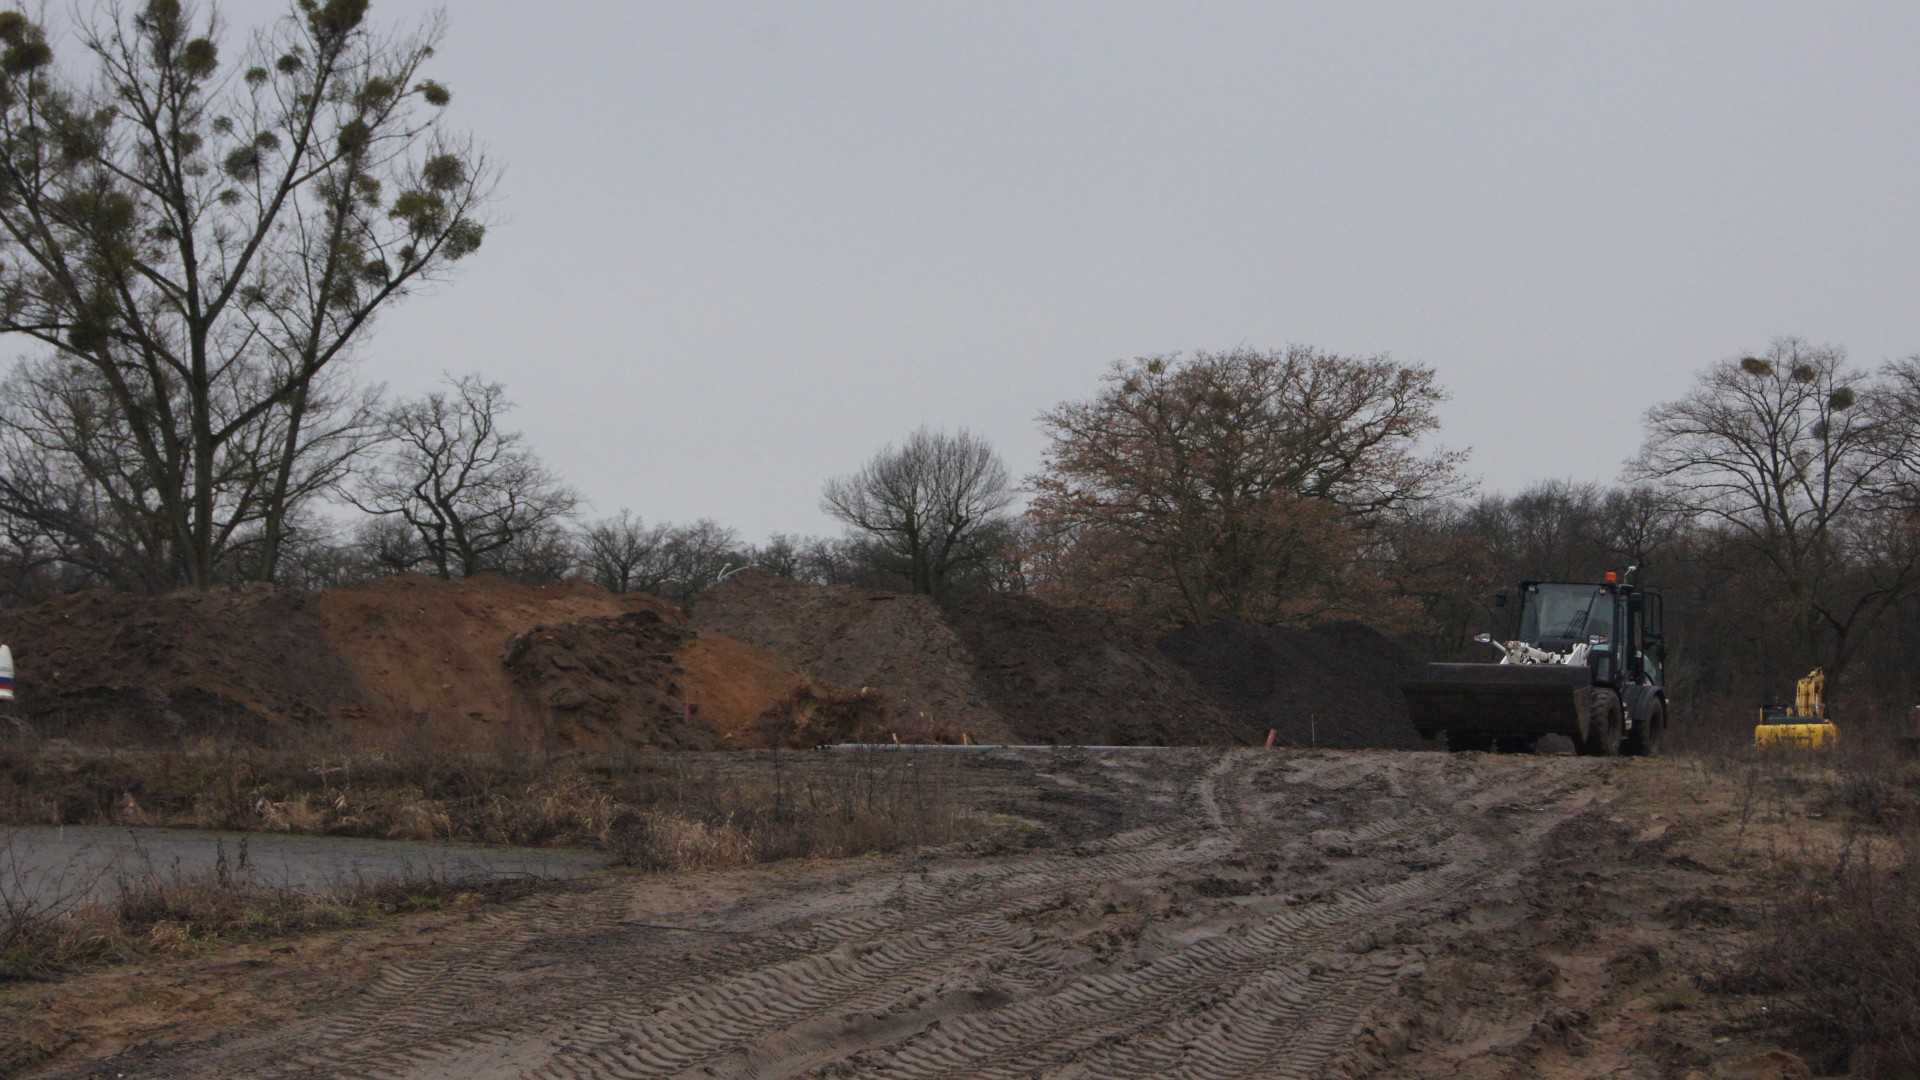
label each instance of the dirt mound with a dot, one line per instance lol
(1336, 685)
(855, 638)
(567, 665)
(995, 668)
(1074, 675)
(762, 661)
(644, 678)
(237, 664)
(605, 678)
(427, 653)
(410, 659)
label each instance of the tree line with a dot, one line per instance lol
(196, 244)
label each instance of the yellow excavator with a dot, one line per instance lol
(1804, 723)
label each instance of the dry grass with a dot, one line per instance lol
(146, 911)
(661, 811)
(1837, 960)
(730, 810)
(647, 811)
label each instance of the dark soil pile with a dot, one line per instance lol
(239, 664)
(818, 715)
(1074, 675)
(609, 678)
(862, 638)
(991, 668)
(564, 667)
(1336, 685)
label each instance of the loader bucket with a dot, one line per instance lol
(1501, 699)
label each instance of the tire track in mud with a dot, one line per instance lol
(1126, 1024)
(730, 1017)
(418, 1010)
(949, 911)
(957, 971)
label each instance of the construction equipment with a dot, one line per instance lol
(1804, 723)
(1586, 662)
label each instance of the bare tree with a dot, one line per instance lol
(467, 488)
(781, 554)
(203, 241)
(689, 559)
(616, 550)
(1793, 454)
(929, 505)
(541, 555)
(1241, 485)
(388, 545)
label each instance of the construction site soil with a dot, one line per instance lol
(1209, 914)
(759, 661)
(231, 663)
(1060, 675)
(485, 662)
(994, 669)
(1336, 685)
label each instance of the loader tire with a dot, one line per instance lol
(1603, 724)
(1644, 740)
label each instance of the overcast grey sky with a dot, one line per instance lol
(746, 244)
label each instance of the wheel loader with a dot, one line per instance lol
(1585, 661)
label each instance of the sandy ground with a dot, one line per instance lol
(1163, 913)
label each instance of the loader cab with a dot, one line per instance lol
(1620, 624)
(1557, 616)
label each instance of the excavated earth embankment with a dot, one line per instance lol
(1336, 685)
(243, 663)
(759, 661)
(990, 668)
(411, 659)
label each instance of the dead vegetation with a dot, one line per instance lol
(760, 806)
(649, 812)
(152, 911)
(1836, 957)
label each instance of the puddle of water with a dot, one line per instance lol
(63, 865)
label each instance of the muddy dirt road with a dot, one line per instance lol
(1168, 913)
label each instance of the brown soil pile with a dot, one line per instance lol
(763, 661)
(568, 666)
(237, 664)
(1336, 685)
(428, 653)
(1074, 675)
(415, 661)
(644, 677)
(862, 638)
